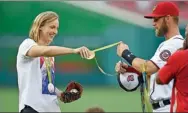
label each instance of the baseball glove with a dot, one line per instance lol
(73, 92)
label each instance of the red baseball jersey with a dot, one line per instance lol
(177, 68)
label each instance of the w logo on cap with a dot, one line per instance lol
(154, 8)
(130, 78)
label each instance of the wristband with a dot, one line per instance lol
(128, 56)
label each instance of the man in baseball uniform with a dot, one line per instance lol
(165, 21)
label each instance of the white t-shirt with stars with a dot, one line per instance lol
(33, 81)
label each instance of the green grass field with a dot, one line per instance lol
(111, 99)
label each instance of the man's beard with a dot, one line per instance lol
(162, 30)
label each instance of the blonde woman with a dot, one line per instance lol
(35, 65)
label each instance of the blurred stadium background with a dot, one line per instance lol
(90, 23)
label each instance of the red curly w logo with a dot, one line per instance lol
(130, 78)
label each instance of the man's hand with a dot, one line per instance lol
(83, 51)
(121, 47)
(121, 67)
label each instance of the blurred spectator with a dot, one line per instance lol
(144, 7)
(95, 109)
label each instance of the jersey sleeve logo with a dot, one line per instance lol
(164, 55)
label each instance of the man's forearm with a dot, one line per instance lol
(133, 60)
(150, 68)
(138, 63)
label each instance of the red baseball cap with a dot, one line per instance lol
(164, 9)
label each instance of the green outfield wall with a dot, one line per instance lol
(78, 27)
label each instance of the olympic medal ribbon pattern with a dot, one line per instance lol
(51, 87)
(142, 97)
(94, 57)
(144, 92)
(100, 49)
(101, 70)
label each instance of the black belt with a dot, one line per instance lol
(161, 103)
